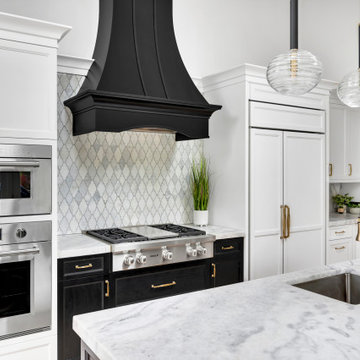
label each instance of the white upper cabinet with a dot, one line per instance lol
(28, 59)
(344, 144)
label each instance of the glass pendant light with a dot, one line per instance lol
(297, 71)
(349, 88)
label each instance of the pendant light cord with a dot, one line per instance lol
(294, 25)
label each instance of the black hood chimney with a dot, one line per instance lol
(138, 80)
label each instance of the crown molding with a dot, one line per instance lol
(245, 71)
(28, 30)
(73, 65)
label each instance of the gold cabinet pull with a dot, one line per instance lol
(283, 223)
(78, 267)
(107, 283)
(340, 232)
(340, 248)
(163, 285)
(213, 275)
(227, 248)
(330, 169)
(286, 222)
(350, 169)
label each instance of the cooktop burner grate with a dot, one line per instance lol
(116, 235)
(180, 230)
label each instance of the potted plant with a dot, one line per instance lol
(342, 201)
(200, 191)
(354, 208)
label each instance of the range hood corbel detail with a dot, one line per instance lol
(138, 80)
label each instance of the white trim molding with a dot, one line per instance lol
(28, 30)
(239, 73)
(73, 65)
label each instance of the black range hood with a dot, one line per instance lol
(138, 80)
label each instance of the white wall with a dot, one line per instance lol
(329, 29)
(82, 15)
(216, 35)
(231, 32)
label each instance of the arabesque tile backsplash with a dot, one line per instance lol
(119, 179)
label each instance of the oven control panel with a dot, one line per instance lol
(25, 232)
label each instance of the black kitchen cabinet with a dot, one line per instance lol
(83, 287)
(227, 266)
(86, 284)
(140, 285)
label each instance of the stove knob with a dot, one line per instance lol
(167, 255)
(201, 250)
(191, 251)
(21, 233)
(129, 260)
(141, 259)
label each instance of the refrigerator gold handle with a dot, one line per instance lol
(288, 221)
(283, 222)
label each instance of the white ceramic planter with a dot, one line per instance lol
(201, 217)
(355, 211)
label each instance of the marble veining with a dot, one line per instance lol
(220, 232)
(262, 319)
(80, 245)
(342, 219)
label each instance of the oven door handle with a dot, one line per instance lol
(19, 163)
(34, 250)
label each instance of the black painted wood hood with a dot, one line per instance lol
(138, 80)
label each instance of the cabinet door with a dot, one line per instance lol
(266, 184)
(38, 349)
(352, 154)
(28, 91)
(227, 269)
(337, 142)
(304, 193)
(76, 297)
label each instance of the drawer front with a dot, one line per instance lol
(339, 251)
(340, 232)
(273, 116)
(154, 285)
(82, 266)
(225, 246)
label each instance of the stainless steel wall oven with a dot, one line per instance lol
(25, 179)
(25, 278)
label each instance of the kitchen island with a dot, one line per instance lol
(262, 319)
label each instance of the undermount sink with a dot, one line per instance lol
(343, 287)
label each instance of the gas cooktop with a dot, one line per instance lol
(144, 233)
(137, 247)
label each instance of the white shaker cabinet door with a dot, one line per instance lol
(352, 145)
(37, 349)
(304, 193)
(27, 91)
(337, 169)
(265, 200)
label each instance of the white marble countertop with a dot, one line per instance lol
(257, 320)
(220, 232)
(342, 219)
(80, 245)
